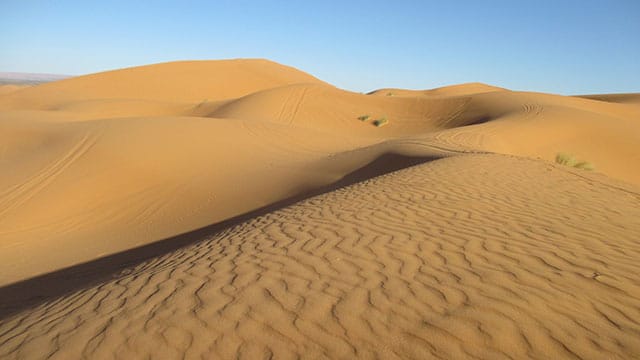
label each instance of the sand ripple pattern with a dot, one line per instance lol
(444, 260)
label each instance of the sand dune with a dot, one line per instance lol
(616, 98)
(486, 250)
(452, 90)
(450, 259)
(542, 125)
(185, 81)
(8, 88)
(326, 108)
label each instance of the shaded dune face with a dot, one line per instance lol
(442, 260)
(479, 246)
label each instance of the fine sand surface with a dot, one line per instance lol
(484, 249)
(615, 98)
(478, 256)
(8, 88)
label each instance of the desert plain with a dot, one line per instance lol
(246, 209)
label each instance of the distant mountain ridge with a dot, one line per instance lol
(29, 78)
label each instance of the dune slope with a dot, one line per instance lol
(478, 256)
(107, 162)
(633, 98)
(182, 81)
(103, 163)
(9, 88)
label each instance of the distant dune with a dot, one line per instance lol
(28, 78)
(452, 90)
(167, 210)
(615, 98)
(10, 82)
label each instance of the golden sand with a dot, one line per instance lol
(485, 248)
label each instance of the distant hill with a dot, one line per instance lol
(29, 78)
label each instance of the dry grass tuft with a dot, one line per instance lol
(570, 160)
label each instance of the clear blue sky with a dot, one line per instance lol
(561, 46)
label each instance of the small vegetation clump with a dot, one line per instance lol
(389, 94)
(570, 160)
(377, 122)
(565, 159)
(585, 166)
(380, 122)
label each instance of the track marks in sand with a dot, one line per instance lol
(291, 105)
(20, 193)
(484, 134)
(458, 258)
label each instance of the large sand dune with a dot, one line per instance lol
(487, 250)
(478, 256)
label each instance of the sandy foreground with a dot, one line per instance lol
(245, 209)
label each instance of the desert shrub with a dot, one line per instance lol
(584, 166)
(363, 117)
(570, 160)
(380, 122)
(565, 159)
